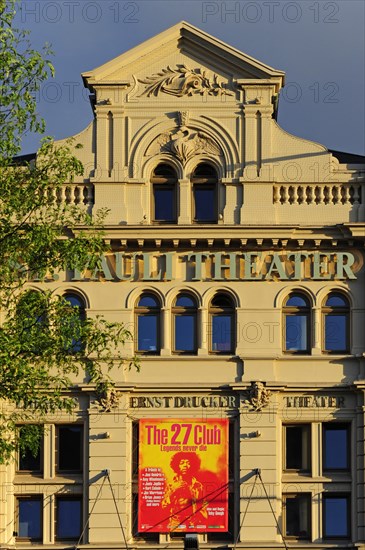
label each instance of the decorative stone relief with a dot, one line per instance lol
(183, 81)
(108, 399)
(184, 144)
(258, 396)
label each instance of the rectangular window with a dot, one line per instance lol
(165, 207)
(29, 518)
(336, 446)
(69, 448)
(204, 203)
(297, 516)
(336, 516)
(296, 333)
(28, 460)
(222, 333)
(335, 331)
(148, 333)
(185, 333)
(68, 518)
(297, 445)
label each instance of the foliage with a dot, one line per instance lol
(45, 343)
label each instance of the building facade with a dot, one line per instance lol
(237, 262)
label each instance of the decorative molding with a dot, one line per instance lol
(183, 81)
(258, 396)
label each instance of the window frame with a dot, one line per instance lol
(308, 497)
(206, 182)
(28, 498)
(216, 311)
(30, 471)
(306, 427)
(336, 426)
(164, 182)
(336, 311)
(181, 311)
(148, 311)
(76, 346)
(69, 498)
(296, 311)
(60, 471)
(336, 495)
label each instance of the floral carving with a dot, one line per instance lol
(258, 396)
(183, 81)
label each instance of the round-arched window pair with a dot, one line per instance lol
(165, 194)
(186, 331)
(298, 334)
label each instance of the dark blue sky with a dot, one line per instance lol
(319, 44)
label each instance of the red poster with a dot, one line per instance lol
(183, 475)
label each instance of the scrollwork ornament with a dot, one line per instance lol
(183, 81)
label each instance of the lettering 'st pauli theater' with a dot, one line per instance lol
(237, 261)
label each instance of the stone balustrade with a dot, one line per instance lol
(332, 194)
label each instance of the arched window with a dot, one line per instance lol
(297, 333)
(184, 313)
(204, 182)
(164, 183)
(147, 313)
(78, 303)
(221, 323)
(336, 323)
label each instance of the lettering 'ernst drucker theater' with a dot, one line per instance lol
(219, 223)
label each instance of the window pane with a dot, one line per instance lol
(28, 462)
(297, 447)
(185, 333)
(164, 170)
(70, 448)
(336, 517)
(335, 440)
(74, 300)
(297, 301)
(222, 333)
(30, 514)
(335, 300)
(164, 203)
(297, 516)
(335, 332)
(147, 332)
(220, 300)
(204, 199)
(185, 301)
(148, 301)
(68, 518)
(296, 338)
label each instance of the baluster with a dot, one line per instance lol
(347, 194)
(321, 195)
(276, 194)
(285, 194)
(89, 197)
(356, 193)
(309, 194)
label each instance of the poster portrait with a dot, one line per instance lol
(183, 475)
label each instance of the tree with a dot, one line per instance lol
(44, 340)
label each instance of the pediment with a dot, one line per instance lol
(183, 60)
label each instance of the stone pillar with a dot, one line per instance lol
(184, 202)
(165, 332)
(203, 339)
